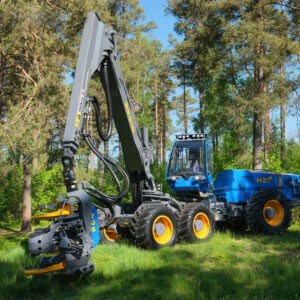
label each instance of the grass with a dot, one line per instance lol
(228, 266)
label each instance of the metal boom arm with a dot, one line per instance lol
(98, 55)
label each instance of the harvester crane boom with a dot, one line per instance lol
(98, 54)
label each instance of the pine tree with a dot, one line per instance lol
(183, 106)
(252, 36)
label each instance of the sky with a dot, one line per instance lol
(155, 11)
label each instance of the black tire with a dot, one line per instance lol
(256, 216)
(106, 236)
(187, 226)
(143, 226)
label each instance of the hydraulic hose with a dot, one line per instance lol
(105, 82)
(107, 200)
(107, 162)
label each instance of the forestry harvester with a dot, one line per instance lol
(153, 219)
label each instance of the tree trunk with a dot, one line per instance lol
(156, 121)
(35, 161)
(184, 109)
(258, 93)
(1, 83)
(161, 133)
(257, 119)
(201, 111)
(267, 131)
(257, 116)
(267, 128)
(92, 162)
(257, 140)
(26, 218)
(164, 134)
(282, 115)
(124, 27)
(161, 146)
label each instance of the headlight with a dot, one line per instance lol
(173, 178)
(198, 177)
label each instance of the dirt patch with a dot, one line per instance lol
(6, 232)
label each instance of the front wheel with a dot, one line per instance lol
(196, 222)
(268, 212)
(154, 226)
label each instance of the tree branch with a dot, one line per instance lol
(283, 4)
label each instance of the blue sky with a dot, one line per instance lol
(155, 10)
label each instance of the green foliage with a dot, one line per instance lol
(47, 185)
(232, 154)
(292, 160)
(11, 194)
(159, 173)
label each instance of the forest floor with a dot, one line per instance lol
(229, 266)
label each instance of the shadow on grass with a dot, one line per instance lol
(182, 274)
(5, 227)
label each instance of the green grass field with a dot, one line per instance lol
(226, 267)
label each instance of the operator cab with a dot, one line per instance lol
(189, 168)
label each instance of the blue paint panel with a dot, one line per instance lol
(237, 186)
(95, 227)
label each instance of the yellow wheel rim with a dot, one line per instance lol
(111, 235)
(279, 213)
(166, 234)
(204, 232)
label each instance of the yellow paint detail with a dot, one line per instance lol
(129, 117)
(263, 179)
(111, 235)
(78, 119)
(279, 213)
(57, 267)
(167, 236)
(66, 212)
(202, 234)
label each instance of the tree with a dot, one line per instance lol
(200, 26)
(182, 105)
(32, 87)
(253, 36)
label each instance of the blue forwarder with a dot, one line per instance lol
(260, 199)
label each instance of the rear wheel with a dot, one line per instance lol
(108, 236)
(154, 226)
(196, 222)
(268, 212)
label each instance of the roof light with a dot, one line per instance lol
(191, 136)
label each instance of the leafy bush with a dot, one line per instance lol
(46, 186)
